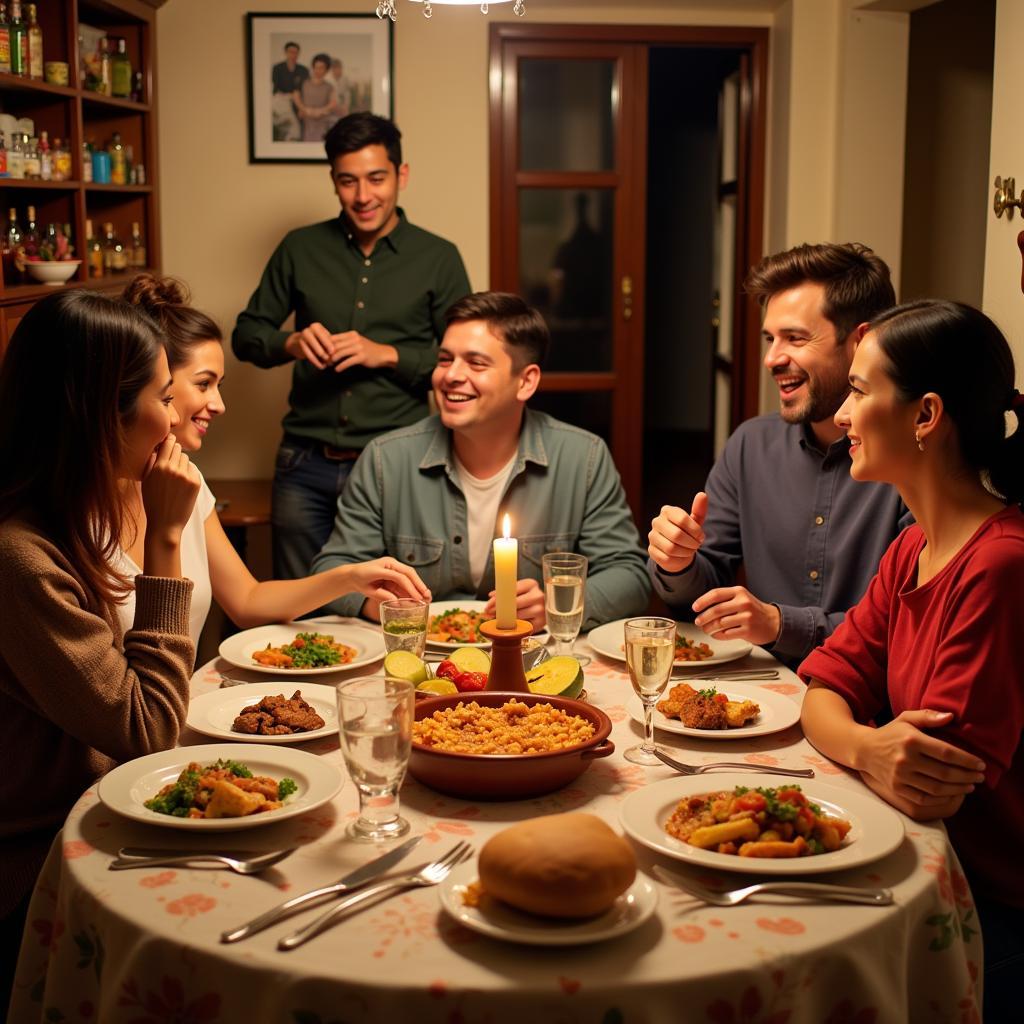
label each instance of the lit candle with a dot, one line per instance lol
(506, 565)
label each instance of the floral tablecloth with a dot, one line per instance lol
(141, 947)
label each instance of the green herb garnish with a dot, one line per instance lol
(178, 799)
(711, 692)
(312, 650)
(285, 788)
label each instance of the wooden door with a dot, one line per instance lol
(568, 148)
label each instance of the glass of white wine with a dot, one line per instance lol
(565, 578)
(650, 651)
(375, 716)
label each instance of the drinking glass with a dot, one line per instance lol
(565, 577)
(650, 652)
(404, 621)
(375, 716)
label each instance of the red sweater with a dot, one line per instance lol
(954, 644)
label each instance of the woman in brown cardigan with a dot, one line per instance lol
(85, 398)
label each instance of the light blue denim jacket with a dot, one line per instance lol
(403, 498)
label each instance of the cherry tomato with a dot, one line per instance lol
(466, 682)
(751, 802)
(792, 796)
(721, 698)
(448, 670)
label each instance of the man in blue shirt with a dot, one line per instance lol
(780, 500)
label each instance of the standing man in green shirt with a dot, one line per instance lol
(369, 291)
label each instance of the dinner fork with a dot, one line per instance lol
(807, 890)
(430, 874)
(130, 858)
(699, 769)
(737, 673)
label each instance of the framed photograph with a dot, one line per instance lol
(308, 70)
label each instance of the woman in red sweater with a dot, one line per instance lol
(921, 688)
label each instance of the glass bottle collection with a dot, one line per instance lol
(24, 154)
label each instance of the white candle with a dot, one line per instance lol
(506, 565)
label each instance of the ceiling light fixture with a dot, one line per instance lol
(387, 9)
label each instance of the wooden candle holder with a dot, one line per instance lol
(506, 655)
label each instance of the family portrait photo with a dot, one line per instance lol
(306, 72)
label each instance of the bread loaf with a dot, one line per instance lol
(561, 865)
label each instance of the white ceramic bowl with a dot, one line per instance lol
(52, 272)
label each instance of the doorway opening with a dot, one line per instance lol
(691, 193)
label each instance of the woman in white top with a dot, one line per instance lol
(196, 359)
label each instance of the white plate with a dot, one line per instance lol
(610, 640)
(500, 921)
(778, 712)
(126, 788)
(213, 713)
(238, 649)
(440, 607)
(876, 828)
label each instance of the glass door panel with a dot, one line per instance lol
(565, 270)
(566, 115)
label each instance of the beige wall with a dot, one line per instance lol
(829, 100)
(221, 216)
(1003, 300)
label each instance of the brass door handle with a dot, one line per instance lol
(1004, 198)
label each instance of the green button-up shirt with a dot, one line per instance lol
(395, 296)
(404, 499)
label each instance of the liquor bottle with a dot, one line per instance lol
(118, 161)
(5, 41)
(12, 249)
(30, 238)
(93, 252)
(35, 45)
(68, 248)
(138, 251)
(33, 165)
(15, 158)
(87, 161)
(121, 71)
(61, 161)
(19, 40)
(104, 69)
(45, 157)
(3, 157)
(115, 259)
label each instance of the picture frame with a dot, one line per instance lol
(295, 95)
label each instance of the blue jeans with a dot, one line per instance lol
(303, 505)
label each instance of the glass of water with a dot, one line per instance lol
(404, 622)
(375, 716)
(565, 578)
(650, 652)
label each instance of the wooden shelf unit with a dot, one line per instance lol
(77, 115)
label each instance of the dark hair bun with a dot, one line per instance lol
(152, 293)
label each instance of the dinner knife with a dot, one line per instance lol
(316, 896)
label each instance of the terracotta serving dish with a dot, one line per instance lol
(507, 776)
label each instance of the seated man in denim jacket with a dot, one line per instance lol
(432, 494)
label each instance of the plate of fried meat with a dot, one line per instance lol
(273, 712)
(726, 711)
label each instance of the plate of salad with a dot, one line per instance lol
(303, 648)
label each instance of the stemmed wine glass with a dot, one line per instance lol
(650, 652)
(565, 577)
(375, 717)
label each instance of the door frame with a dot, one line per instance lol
(628, 357)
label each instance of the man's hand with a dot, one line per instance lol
(352, 349)
(920, 770)
(733, 613)
(314, 343)
(675, 535)
(529, 603)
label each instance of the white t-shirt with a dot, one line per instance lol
(195, 565)
(482, 500)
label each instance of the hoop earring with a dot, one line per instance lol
(917, 438)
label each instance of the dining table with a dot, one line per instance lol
(143, 946)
